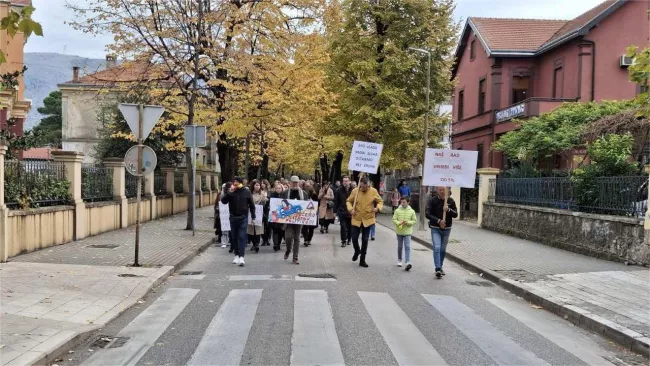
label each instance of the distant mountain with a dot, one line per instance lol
(45, 71)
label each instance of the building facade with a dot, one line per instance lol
(86, 98)
(520, 68)
(13, 105)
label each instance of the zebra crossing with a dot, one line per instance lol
(315, 340)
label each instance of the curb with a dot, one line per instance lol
(625, 337)
(59, 349)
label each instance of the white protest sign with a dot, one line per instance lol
(444, 167)
(224, 216)
(293, 212)
(259, 212)
(365, 157)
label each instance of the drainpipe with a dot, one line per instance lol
(593, 68)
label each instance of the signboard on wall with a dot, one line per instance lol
(450, 168)
(510, 112)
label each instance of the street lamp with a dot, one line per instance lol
(423, 199)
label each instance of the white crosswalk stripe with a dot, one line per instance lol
(408, 344)
(503, 350)
(580, 346)
(145, 329)
(224, 341)
(314, 340)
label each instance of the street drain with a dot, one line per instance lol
(109, 342)
(103, 246)
(480, 283)
(317, 275)
(189, 273)
(128, 275)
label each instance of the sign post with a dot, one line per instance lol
(195, 136)
(141, 120)
(364, 158)
(444, 167)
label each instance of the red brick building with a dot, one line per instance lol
(518, 68)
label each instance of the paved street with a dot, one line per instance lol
(328, 310)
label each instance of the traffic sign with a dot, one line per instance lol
(195, 136)
(150, 115)
(149, 161)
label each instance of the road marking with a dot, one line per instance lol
(408, 344)
(579, 346)
(503, 350)
(225, 338)
(190, 277)
(317, 279)
(145, 329)
(314, 340)
(259, 278)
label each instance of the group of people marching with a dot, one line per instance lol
(355, 207)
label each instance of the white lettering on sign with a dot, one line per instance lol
(510, 112)
(365, 157)
(443, 167)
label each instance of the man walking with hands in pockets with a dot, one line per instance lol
(363, 203)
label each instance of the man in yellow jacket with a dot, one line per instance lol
(368, 203)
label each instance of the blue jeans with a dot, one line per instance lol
(405, 241)
(439, 238)
(238, 236)
(372, 230)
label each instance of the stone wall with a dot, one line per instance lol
(603, 236)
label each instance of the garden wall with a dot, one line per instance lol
(29, 230)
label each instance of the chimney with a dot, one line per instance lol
(111, 61)
(75, 74)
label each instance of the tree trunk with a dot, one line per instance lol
(247, 159)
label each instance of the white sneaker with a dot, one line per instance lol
(399, 263)
(236, 260)
(241, 261)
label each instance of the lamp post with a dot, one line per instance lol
(423, 200)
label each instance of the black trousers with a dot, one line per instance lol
(278, 234)
(346, 228)
(308, 233)
(267, 232)
(365, 233)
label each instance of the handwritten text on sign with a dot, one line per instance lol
(365, 157)
(293, 212)
(224, 216)
(443, 167)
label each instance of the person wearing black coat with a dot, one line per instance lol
(345, 218)
(440, 229)
(240, 203)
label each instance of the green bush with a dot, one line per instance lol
(31, 190)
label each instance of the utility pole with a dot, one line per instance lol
(423, 198)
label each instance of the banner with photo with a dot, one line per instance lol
(293, 212)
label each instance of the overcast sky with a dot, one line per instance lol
(61, 38)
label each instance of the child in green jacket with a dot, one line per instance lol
(404, 219)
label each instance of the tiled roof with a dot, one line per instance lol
(21, 2)
(38, 153)
(127, 72)
(516, 34)
(581, 20)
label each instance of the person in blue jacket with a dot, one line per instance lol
(404, 189)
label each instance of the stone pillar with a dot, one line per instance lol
(485, 174)
(72, 161)
(4, 217)
(119, 188)
(150, 192)
(186, 180)
(455, 194)
(169, 183)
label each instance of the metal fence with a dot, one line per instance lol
(96, 183)
(35, 184)
(623, 196)
(131, 186)
(159, 183)
(178, 182)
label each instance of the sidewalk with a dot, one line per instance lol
(606, 297)
(50, 299)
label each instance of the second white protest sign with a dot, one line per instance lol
(365, 157)
(443, 167)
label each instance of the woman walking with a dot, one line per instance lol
(440, 229)
(394, 199)
(255, 232)
(266, 192)
(325, 207)
(308, 230)
(277, 229)
(217, 220)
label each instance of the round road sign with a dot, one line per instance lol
(149, 160)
